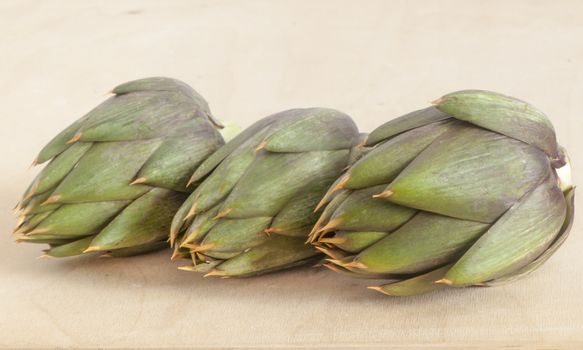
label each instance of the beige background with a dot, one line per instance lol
(375, 60)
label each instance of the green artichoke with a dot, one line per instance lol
(464, 193)
(117, 176)
(253, 212)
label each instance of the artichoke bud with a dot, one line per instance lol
(254, 208)
(476, 192)
(116, 177)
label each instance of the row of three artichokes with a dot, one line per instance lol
(462, 193)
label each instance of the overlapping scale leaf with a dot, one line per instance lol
(503, 114)
(516, 239)
(471, 174)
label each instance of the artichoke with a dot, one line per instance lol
(254, 210)
(473, 191)
(117, 176)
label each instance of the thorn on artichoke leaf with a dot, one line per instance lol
(44, 256)
(337, 187)
(139, 181)
(21, 221)
(199, 248)
(330, 226)
(325, 250)
(190, 181)
(363, 142)
(191, 213)
(271, 230)
(93, 248)
(437, 101)
(355, 265)
(32, 192)
(332, 267)
(172, 238)
(384, 194)
(261, 146)
(444, 281)
(321, 204)
(25, 211)
(75, 138)
(175, 255)
(313, 235)
(187, 268)
(332, 240)
(38, 231)
(336, 262)
(34, 163)
(17, 209)
(222, 213)
(217, 273)
(378, 289)
(316, 265)
(52, 199)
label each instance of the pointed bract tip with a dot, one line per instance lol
(384, 194)
(261, 146)
(336, 262)
(190, 181)
(31, 192)
(216, 273)
(139, 181)
(19, 224)
(176, 255)
(189, 268)
(271, 230)
(378, 289)
(25, 211)
(93, 248)
(34, 163)
(222, 214)
(323, 250)
(194, 248)
(355, 265)
(444, 281)
(438, 101)
(191, 213)
(52, 200)
(332, 240)
(75, 138)
(332, 267)
(342, 183)
(38, 231)
(44, 256)
(363, 142)
(331, 225)
(321, 204)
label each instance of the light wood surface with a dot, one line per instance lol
(374, 60)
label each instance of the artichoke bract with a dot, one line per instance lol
(117, 176)
(473, 191)
(254, 210)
